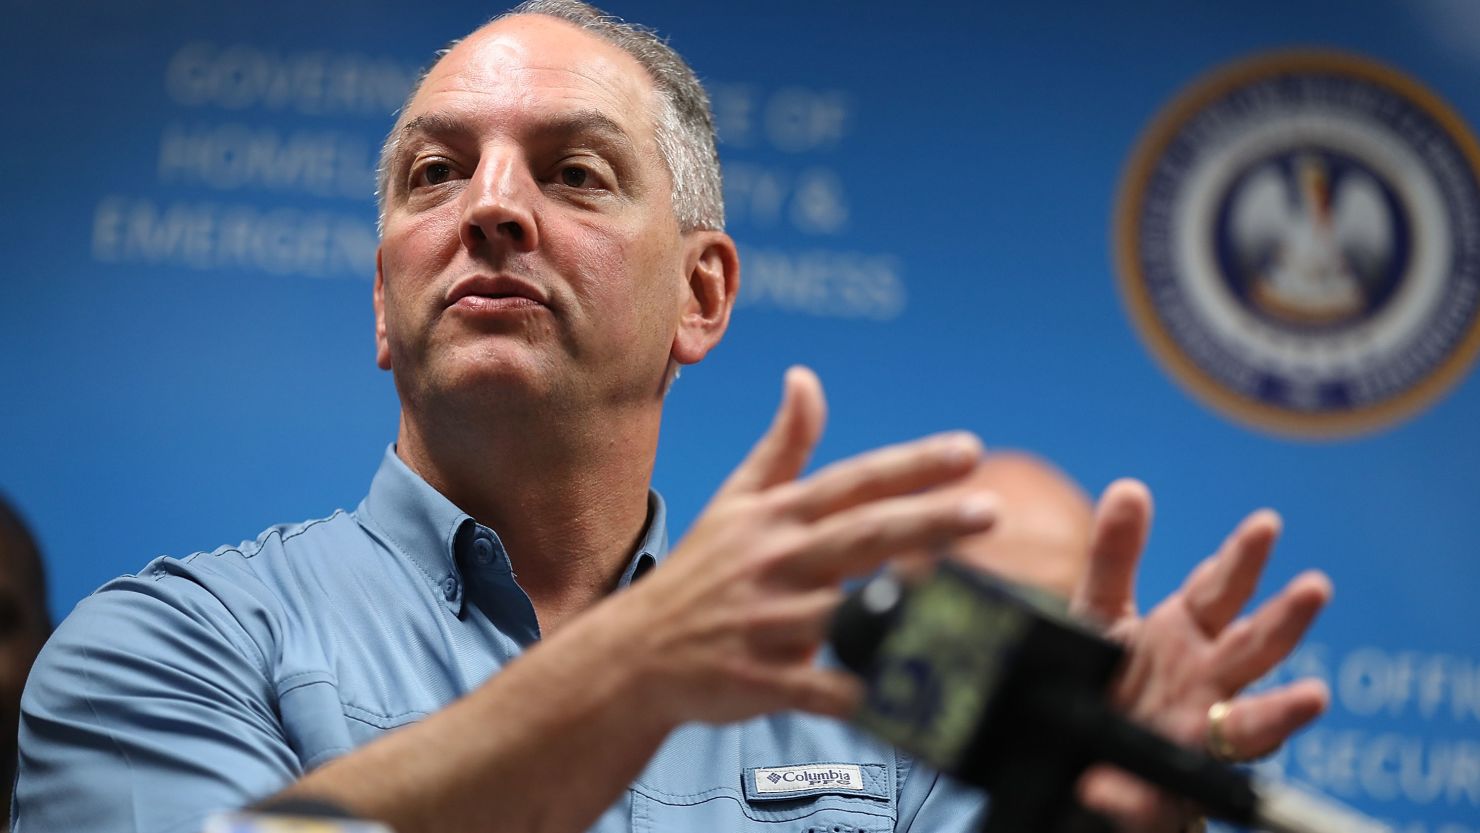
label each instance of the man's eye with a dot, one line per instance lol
(574, 177)
(434, 173)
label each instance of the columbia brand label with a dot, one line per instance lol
(1299, 243)
(788, 779)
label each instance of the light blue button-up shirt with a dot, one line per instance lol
(205, 683)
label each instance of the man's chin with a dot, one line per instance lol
(500, 379)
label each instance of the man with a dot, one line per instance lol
(24, 625)
(486, 642)
(1044, 523)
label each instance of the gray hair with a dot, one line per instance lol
(684, 124)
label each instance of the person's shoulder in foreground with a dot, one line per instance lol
(25, 623)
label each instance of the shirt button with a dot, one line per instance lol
(449, 588)
(482, 550)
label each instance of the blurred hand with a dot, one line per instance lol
(1192, 650)
(729, 626)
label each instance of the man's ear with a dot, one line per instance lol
(712, 266)
(382, 344)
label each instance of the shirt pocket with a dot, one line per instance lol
(309, 709)
(869, 808)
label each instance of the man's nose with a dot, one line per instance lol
(498, 210)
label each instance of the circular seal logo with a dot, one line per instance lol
(1298, 241)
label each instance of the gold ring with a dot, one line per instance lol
(1218, 742)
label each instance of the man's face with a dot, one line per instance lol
(530, 243)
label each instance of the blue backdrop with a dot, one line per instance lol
(924, 198)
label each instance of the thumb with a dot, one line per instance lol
(782, 452)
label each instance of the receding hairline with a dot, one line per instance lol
(678, 107)
(650, 91)
(408, 125)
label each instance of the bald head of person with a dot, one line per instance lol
(1042, 534)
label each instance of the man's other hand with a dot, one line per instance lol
(1193, 649)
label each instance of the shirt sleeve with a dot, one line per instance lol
(149, 709)
(930, 802)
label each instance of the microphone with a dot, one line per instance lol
(998, 686)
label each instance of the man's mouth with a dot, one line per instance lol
(493, 294)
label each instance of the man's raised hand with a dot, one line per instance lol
(737, 614)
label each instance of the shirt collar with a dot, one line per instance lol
(414, 519)
(422, 525)
(653, 547)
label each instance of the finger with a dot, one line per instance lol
(1253, 645)
(820, 690)
(915, 564)
(1220, 587)
(793, 625)
(885, 472)
(1257, 724)
(1122, 521)
(1129, 801)
(782, 452)
(859, 540)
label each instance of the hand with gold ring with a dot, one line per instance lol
(1193, 651)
